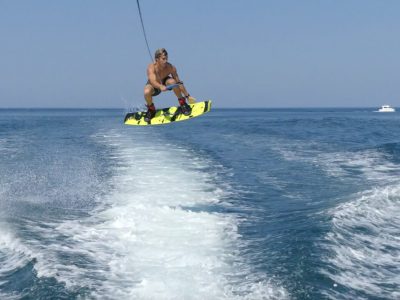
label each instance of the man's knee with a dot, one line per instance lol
(170, 81)
(148, 90)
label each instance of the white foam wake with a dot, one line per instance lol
(144, 243)
(370, 164)
(15, 254)
(364, 244)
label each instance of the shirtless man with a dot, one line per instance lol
(160, 74)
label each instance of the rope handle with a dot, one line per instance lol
(172, 86)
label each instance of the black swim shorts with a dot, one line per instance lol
(158, 91)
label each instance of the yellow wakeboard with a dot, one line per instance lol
(167, 115)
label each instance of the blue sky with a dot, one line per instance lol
(244, 53)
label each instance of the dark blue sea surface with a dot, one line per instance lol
(236, 204)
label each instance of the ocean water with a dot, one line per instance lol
(236, 204)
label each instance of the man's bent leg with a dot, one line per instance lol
(149, 91)
(148, 94)
(177, 90)
(185, 108)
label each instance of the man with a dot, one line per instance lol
(160, 74)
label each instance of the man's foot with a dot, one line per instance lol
(150, 113)
(185, 108)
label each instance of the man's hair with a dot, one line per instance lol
(160, 52)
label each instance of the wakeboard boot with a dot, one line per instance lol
(184, 107)
(150, 113)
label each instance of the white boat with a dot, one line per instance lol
(386, 108)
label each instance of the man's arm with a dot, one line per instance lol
(174, 74)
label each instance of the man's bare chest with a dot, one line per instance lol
(163, 73)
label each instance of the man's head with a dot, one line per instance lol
(161, 55)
